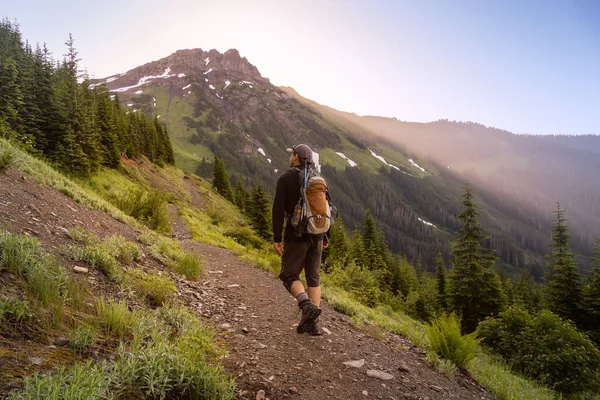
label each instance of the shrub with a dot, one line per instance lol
(189, 265)
(82, 338)
(81, 235)
(148, 207)
(170, 253)
(152, 286)
(83, 381)
(6, 159)
(98, 256)
(245, 236)
(25, 257)
(114, 317)
(544, 347)
(446, 340)
(361, 283)
(14, 311)
(124, 251)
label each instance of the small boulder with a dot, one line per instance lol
(80, 270)
(355, 363)
(374, 373)
(61, 341)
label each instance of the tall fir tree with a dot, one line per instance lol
(357, 249)
(440, 273)
(11, 97)
(240, 196)
(475, 291)
(339, 247)
(374, 248)
(592, 297)
(261, 213)
(526, 293)
(221, 181)
(562, 282)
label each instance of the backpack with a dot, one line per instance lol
(313, 212)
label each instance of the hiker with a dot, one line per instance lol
(298, 251)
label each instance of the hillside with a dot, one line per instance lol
(256, 336)
(219, 104)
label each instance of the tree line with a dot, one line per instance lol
(49, 108)
(544, 331)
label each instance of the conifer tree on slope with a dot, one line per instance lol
(440, 272)
(592, 297)
(261, 213)
(562, 282)
(220, 180)
(372, 244)
(475, 291)
(240, 196)
(339, 247)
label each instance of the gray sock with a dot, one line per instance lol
(301, 298)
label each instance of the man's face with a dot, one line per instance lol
(293, 160)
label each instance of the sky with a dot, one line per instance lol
(528, 66)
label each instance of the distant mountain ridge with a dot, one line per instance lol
(215, 103)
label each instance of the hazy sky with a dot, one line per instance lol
(525, 66)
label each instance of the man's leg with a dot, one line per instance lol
(292, 263)
(314, 293)
(312, 268)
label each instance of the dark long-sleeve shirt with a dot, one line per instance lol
(286, 198)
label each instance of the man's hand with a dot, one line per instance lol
(278, 247)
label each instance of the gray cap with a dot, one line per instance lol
(303, 151)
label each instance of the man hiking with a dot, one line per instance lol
(298, 251)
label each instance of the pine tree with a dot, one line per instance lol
(373, 243)
(440, 272)
(261, 213)
(407, 280)
(592, 297)
(339, 246)
(473, 289)
(562, 282)
(357, 250)
(220, 180)
(240, 196)
(11, 97)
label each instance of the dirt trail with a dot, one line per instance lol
(266, 353)
(252, 309)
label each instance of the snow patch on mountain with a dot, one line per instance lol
(427, 223)
(227, 83)
(181, 75)
(269, 160)
(206, 60)
(352, 163)
(111, 79)
(209, 71)
(414, 164)
(211, 87)
(146, 79)
(139, 92)
(261, 151)
(185, 87)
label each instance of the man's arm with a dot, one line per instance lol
(278, 214)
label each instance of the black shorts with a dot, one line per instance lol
(299, 255)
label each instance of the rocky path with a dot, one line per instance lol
(255, 314)
(271, 361)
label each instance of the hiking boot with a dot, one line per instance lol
(313, 328)
(310, 313)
